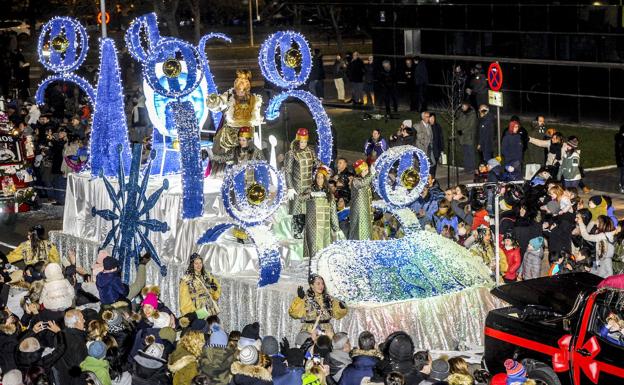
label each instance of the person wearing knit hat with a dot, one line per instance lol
(299, 164)
(96, 362)
(516, 372)
(250, 336)
(270, 346)
(532, 260)
(569, 169)
(217, 336)
(57, 293)
(109, 284)
(12, 377)
(248, 355)
(361, 213)
(114, 320)
(321, 220)
(251, 368)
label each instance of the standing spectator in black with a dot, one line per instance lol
(387, 85)
(437, 143)
(486, 133)
(356, 72)
(421, 80)
(21, 70)
(59, 182)
(619, 156)
(339, 74)
(511, 149)
(317, 75)
(466, 125)
(369, 82)
(404, 136)
(5, 70)
(477, 86)
(459, 86)
(409, 74)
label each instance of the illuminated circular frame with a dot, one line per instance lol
(72, 28)
(288, 78)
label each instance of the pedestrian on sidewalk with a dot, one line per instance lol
(386, 80)
(369, 82)
(317, 75)
(356, 72)
(339, 74)
(467, 129)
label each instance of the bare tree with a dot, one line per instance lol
(334, 15)
(195, 7)
(168, 10)
(454, 84)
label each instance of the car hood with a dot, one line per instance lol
(557, 293)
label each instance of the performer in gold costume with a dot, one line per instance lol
(299, 165)
(316, 307)
(361, 211)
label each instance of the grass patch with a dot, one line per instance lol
(224, 52)
(596, 144)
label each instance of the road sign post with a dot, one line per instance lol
(495, 97)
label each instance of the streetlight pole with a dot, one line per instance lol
(103, 17)
(251, 39)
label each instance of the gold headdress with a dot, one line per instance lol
(243, 80)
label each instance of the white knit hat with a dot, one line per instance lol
(162, 321)
(12, 377)
(407, 123)
(54, 272)
(248, 355)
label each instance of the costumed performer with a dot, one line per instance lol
(316, 307)
(244, 151)
(199, 290)
(361, 211)
(241, 109)
(299, 165)
(321, 220)
(34, 250)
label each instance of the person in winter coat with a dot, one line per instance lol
(512, 254)
(57, 294)
(619, 156)
(397, 353)
(511, 149)
(317, 75)
(604, 238)
(387, 82)
(532, 261)
(437, 143)
(364, 359)
(68, 366)
(426, 205)
(495, 171)
(355, 72)
(375, 146)
(445, 217)
(150, 368)
(424, 135)
(96, 362)
(183, 362)
(339, 75)
(554, 150)
(294, 359)
(109, 283)
(486, 133)
(339, 357)
(404, 135)
(569, 170)
(252, 368)
(466, 126)
(217, 357)
(9, 332)
(29, 352)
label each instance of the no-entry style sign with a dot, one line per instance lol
(495, 76)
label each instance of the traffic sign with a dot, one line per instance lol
(495, 98)
(99, 18)
(495, 76)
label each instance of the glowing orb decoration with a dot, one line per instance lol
(293, 58)
(172, 68)
(292, 52)
(69, 42)
(256, 194)
(410, 178)
(60, 43)
(399, 164)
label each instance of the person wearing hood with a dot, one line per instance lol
(251, 368)
(532, 260)
(68, 366)
(604, 237)
(339, 356)
(619, 156)
(364, 359)
(397, 350)
(30, 352)
(294, 359)
(217, 357)
(486, 133)
(96, 362)
(150, 368)
(109, 283)
(9, 327)
(140, 120)
(466, 126)
(183, 362)
(570, 171)
(511, 149)
(57, 294)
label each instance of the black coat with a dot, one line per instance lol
(68, 366)
(524, 231)
(619, 149)
(421, 76)
(437, 144)
(142, 375)
(486, 133)
(8, 345)
(386, 80)
(356, 70)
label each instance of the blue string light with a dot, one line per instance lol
(288, 78)
(142, 30)
(183, 116)
(69, 78)
(76, 41)
(109, 129)
(323, 124)
(212, 86)
(130, 217)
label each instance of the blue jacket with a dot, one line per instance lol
(441, 221)
(362, 366)
(429, 204)
(511, 147)
(110, 287)
(292, 377)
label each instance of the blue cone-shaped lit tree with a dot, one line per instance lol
(109, 129)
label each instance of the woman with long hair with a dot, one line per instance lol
(321, 221)
(199, 290)
(603, 235)
(483, 248)
(445, 217)
(315, 308)
(35, 249)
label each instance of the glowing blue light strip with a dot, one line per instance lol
(288, 78)
(323, 124)
(56, 62)
(148, 23)
(212, 86)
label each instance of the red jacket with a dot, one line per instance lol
(480, 218)
(514, 261)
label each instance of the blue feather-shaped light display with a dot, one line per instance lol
(129, 217)
(212, 86)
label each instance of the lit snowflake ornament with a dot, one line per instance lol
(130, 218)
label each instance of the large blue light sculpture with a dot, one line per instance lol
(286, 61)
(212, 86)
(130, 217)
(251, 213)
